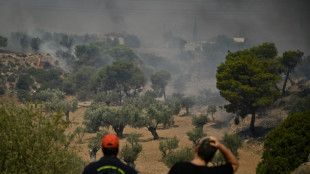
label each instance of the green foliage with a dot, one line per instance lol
(233, 142)
(24, 82)
(195, 136)
(130, 152)
(121, 76)
(31, 142)
(159, 82)
(46, 78)
(300, 104)
(3, 41)
(246, 81)
(200, 121)
(289, 61)
(212, 110)
(187, 102)
(168, 145)
(157, 113)
(102, 116)
(23, 95)
(99, 54)
(66, 41)
(54, 100)
(170, 155)
(183, 154)
(80, 132)
(287, 146)
(95, 143)
(107, 98)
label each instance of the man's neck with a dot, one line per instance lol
(198, 161)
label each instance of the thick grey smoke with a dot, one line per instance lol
(284, 22)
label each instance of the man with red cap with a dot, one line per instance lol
(109, 163)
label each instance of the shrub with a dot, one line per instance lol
(24, 82)
(30, 142)
(287, 146)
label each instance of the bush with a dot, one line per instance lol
(183, 154)
(30, 142)
(200, 121)
(23, 95)
(24, 82)
(287, 146)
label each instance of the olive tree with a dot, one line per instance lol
(130, 152)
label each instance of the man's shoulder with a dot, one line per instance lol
(109, 164)
(188, 167)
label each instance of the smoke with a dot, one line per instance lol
(284, 22)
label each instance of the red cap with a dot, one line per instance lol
(110, 141)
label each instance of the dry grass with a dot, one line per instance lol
(148, 161)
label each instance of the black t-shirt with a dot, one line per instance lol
(187, 167)
(108, 165)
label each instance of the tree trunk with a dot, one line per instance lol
(252, 127)
(154, 133)
(285, 81)
(67, 115)
(212, 117)
(119, 131)
(165, 97)
(187, 110)
(92, 154)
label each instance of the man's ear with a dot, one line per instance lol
(196, 149)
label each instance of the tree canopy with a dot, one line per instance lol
(31, 142)
(121, 76)
(159, 82)
(246, 82)
(287, 146)
(3, 41)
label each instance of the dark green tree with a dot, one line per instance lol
(35, 44)
(66, 41)
(24, 42)
(245, 80)
(3, 41)
(122, 76)
(159, 82)
(187, 103)
(289, 61)
(287, 146)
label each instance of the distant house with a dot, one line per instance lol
(114, 36)
(239, 39)
(194, 46)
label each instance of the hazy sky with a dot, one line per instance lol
(285, 22)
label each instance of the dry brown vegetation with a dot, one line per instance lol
(148, 161)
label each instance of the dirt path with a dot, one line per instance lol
(148, 161)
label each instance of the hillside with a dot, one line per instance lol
(12, 65)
